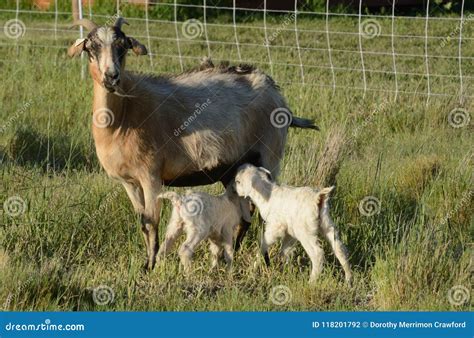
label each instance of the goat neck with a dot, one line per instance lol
(107, 109)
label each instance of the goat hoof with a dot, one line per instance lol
(266, 257)
(147, 267)
(313, 279)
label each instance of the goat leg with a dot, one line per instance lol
(241, 231)
(151, 219)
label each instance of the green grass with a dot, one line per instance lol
(79, 230)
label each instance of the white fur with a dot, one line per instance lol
(106, 59)
(106, 35)
(292, 214)
(202, 216)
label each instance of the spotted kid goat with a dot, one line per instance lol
(145, 135)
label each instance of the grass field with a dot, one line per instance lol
(77, 230)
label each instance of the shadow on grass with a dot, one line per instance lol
(33, 288)
(28, 147)
(366, 236)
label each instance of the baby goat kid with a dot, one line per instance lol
(292, 213)
(202, 216)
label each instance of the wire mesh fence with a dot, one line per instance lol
(388, 53)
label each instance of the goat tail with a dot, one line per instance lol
(174, 197)
(300, 122)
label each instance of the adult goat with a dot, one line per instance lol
(147, 131)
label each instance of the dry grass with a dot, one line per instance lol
(330, 159)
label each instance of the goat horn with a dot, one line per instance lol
(119, 22)
(88, 24)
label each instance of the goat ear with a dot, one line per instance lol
(230, 188)
(76, 48)
(323, 196)
(267, 172)
(137, 47)
(262, 187)
(245, 210)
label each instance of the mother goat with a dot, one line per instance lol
(191, 129)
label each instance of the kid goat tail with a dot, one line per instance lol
(300, 122)
(323, 197)
(170, 195)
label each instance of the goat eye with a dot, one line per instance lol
(238, 182)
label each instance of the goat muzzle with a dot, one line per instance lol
(111, 81)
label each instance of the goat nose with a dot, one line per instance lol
(112, 79)
(112, 75)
